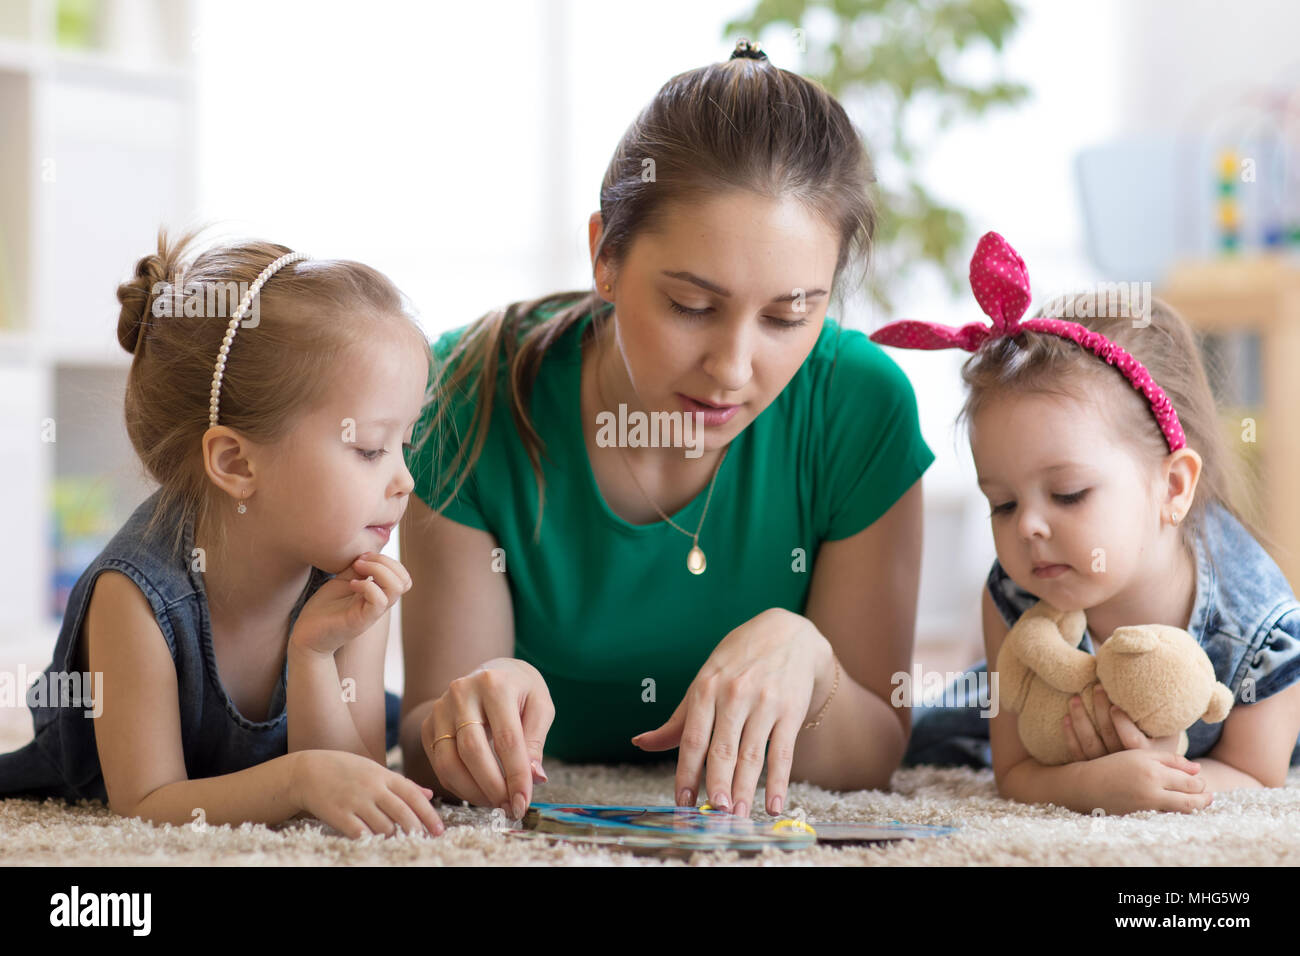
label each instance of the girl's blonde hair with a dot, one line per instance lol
(1037, 362)
(310, 314)
(743, 124)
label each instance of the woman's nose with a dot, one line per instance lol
(730, 360)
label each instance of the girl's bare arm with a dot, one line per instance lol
(138, 733)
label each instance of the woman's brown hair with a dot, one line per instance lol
(310, 313)
(738, 125)
(1037, 362)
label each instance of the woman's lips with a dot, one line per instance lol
(712, 414)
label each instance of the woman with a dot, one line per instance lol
(754, 591)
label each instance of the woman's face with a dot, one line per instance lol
(721, 305)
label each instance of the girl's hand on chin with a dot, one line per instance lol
(347, 605)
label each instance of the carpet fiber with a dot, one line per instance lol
(1241, 828)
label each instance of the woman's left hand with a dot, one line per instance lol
(760, 684)
(1118, 731)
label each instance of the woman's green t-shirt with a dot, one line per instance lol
(607, 610)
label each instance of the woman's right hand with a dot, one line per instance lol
(484, 736)
(1145, 779)
(358, 797)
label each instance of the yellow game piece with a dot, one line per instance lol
(793, 825)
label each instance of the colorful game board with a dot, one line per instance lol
(680, 831)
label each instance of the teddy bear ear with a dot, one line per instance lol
(1220, 704)
(1132, 640)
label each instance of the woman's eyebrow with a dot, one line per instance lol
(718, 290)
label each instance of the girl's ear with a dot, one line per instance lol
(1182, 472)
(226, 461)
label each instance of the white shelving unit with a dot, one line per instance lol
(96, 152)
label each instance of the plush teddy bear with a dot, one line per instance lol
(1156, 674)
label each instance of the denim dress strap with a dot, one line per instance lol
(216, 738)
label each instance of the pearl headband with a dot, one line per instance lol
(1000, 281)
(214, 402)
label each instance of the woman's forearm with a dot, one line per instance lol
(858, 745)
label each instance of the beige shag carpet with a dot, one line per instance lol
(1241, 828)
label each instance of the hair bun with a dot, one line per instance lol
(746, 50)
(136, 294)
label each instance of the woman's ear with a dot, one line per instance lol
(226, 459)
(599, 267)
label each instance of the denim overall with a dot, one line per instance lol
(62, 760)
(1245, 617)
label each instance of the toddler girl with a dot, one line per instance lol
(1096, 441)
(231, 635)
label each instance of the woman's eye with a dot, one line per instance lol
(372, 454)
(696, 313)
(682, 310)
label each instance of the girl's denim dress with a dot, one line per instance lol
(1245, 617)
(62, 760)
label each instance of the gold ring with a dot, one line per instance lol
(443, 737)
(467, 723)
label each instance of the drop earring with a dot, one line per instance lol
(241, 507)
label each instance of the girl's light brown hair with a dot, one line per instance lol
(310, 314)
(743, 124)
(1037, 362)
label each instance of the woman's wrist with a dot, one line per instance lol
(827, 680)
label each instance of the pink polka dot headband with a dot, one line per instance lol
(1000, 282)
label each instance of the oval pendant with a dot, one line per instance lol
(695, 562)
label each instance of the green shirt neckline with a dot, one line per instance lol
(573, 386)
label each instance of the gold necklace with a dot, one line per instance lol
(695, 560)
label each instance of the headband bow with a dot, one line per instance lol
(1000, 281)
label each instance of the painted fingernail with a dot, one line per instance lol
(721, 802)
(684, 797)
(776, 806)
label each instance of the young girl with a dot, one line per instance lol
(233, 631)
(1097, 444)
